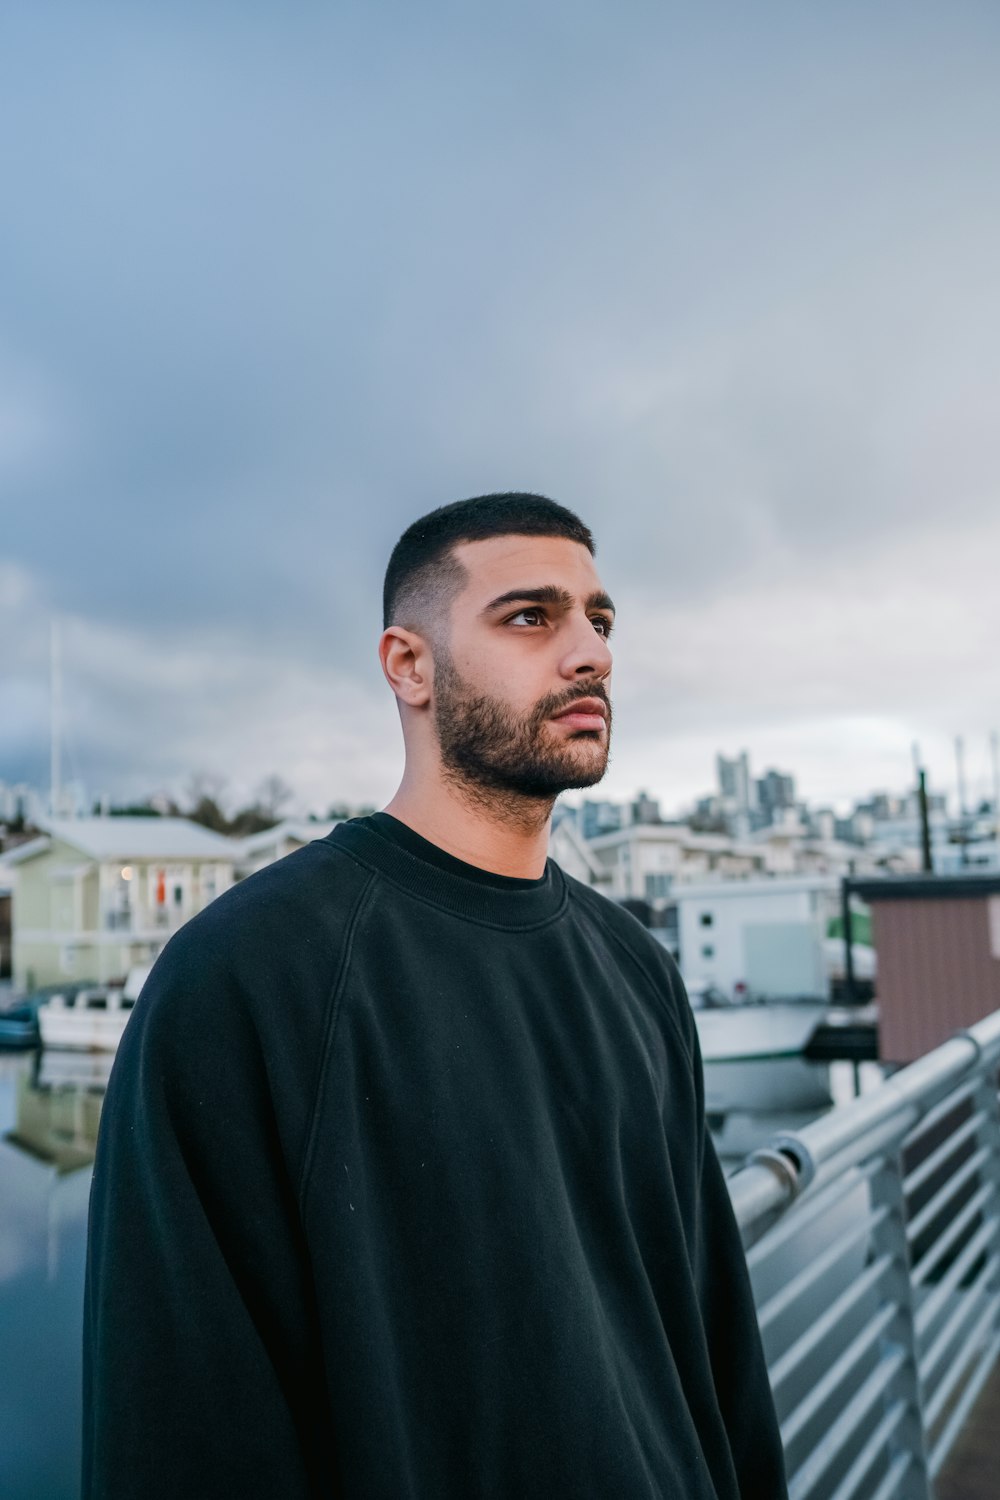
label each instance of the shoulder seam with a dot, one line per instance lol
(668, 1010)
(333, 1011)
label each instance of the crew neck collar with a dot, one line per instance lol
(431, 874)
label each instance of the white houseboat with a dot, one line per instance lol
(90, 1020)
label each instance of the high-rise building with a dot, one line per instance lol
(600, 817)
(736, 786)
(646, 809)
(775, 792)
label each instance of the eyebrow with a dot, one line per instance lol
(549, 593)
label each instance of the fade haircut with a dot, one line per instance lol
(423, 573)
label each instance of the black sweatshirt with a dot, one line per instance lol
(403, 1192)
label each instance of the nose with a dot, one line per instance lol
(587, 651)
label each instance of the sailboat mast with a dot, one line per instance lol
(55, 694)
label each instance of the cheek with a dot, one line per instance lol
(516, 678)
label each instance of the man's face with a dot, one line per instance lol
(521, 688)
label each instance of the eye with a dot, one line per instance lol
(602, 624)
(530, 616)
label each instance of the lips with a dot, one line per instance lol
(585, 713)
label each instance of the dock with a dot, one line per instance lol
(971, 1470)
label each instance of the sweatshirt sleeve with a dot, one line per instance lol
(739, 1369)
(202, 1374)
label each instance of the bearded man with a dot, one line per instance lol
(403, 1188)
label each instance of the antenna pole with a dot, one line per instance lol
(55, 686)
(963, 826)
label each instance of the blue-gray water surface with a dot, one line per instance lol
(47, 1136)
(49, 1112)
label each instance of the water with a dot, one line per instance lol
(47, 1138)
(49, 1112)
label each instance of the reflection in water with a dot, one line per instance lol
(49, 1115)
(56, 1121)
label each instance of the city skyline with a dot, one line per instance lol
(979, 794)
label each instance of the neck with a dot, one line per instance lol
(496, 831)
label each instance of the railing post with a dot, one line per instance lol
(889, 1237)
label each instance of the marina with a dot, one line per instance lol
(859, 1133)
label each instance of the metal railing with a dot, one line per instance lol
(873, 1242)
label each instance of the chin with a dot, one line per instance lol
(583, 774)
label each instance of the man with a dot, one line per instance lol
(403, 1186)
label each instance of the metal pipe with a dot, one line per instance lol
(782, 1169)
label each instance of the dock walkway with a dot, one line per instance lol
(972, 1468)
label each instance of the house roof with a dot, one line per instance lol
(674, 833)
(927, 886)
(129, 838)
(753, 885)
(303, 830)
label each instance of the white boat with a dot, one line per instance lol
(91, 1020)
(729, 1033)
(752, 1057)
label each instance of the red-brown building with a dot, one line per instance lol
(937, 945)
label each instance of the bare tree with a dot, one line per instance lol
(204, 795)
(272, 795)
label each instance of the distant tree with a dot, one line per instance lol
(249, 820)
(272, 795)
(17, 831)
(204, 801)
(205, 784)
(209, 814)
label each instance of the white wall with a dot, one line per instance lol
(732, 906)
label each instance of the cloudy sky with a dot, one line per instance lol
(274, 280)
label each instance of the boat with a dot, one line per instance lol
(753, 1055)
(733, 1033)
(19, 1026)
(91, 1019)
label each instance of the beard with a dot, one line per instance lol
(491, 749)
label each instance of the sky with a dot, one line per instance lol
(276, 280)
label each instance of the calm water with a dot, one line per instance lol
(49, 1112)
(47, 1136)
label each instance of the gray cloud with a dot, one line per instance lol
(271, 285)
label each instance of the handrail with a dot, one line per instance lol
(873, 1246)
(781, 1170)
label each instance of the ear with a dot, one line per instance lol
(406, 662)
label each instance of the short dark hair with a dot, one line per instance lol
(421, 561)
